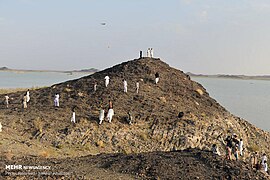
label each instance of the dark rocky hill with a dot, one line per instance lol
(48, 131)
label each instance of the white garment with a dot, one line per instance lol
(95, 87)
(137, 87)
(152, 53)
(73, 117)
(56, 100)
(110, 115)
(264, 158)
(0, 127)
(156, 80)
(125, 86)
(107, 80)
(101, 115)
(27, 96)
(265, 167)
(241, 148)
(6, 100)
(148, 52)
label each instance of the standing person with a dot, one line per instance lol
(151, 52)
(141, 54)
(264, 158)
(95, 86)
(137, 87)
(241, 144)
(129, 118)
(254, 160)
(110, 112)
(107, 80)
(148, 52)
(110, 104)
(6, 100)
(264, 166)
(27, 96)
(125, 85)
(157, 77)
(24, 101)
(73, 116)
(101, 115)
(229, 145)
(0, 127)
(56, 100)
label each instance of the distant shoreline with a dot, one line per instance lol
(5, 69)
(240, 77)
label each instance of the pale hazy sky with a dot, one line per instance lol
(200, 36)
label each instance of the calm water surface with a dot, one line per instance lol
(249, 99)
(34, 79)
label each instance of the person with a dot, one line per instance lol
(1, 127)
(254, 160)
(235, 146)
(129, 118)
(110, 115)
(137, 87)
(157, 77)
(6, 100)
(101, 115)
(95, 86)
(241, 144)
(107, 80)
(215, 149)
(56, 100)
(24, 101)
(141, 54)
(264, 158)
(151, 52)
(73, 116)
(110, 104)
(264, 166)
(125, 85)
(228, 141)
(27, 96)
(148, 52)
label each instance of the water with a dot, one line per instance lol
(249, 99)
(34, 79)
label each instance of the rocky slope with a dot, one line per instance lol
(43, 130)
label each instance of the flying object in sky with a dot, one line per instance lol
(103, 24)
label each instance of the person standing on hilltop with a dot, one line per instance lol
(148, 52)
(125, 86)
(6, 100)
(27, 96)
(157, 77)
(151, 52)
(107, 80)
(56, 100)
(137, 87)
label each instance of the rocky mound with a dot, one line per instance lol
(156, 126)
(187, 164)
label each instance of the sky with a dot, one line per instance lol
(203, 37)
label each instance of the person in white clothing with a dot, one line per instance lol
(95, 86)
(27, 96)
(151, 52)
(107, 80)
(264, 166)
(6, 100)
(264, 158)
(241, 144)
(125, 86)
(157, 77)
(73, 116)
(137, 87)
(110, 115)
(56, 100)
(148, 52)
(101, 115)
(0, 127)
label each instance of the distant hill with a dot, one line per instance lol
(3, 68)
(244, 77)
